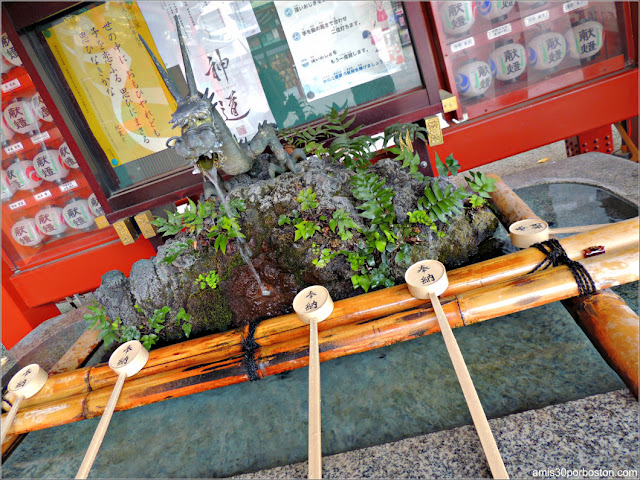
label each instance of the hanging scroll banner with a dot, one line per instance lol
(339, 45)
(113, 80)
(215, 36)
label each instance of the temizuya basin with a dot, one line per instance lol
(518, 362)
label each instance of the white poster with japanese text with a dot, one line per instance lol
(338, 45)
(215, 36)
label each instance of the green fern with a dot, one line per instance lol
(442, 205)
(377, 206)
(482, 186)
(450, 166)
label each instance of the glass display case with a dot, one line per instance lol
(499, 54)
(48, 208)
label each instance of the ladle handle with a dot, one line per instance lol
(581, 228)
(471, 396)
(315, 434)
(8, 420)
(98, 436)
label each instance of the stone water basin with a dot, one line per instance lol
(518, 362)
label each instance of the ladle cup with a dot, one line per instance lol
(525, 233)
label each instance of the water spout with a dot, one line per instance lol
(242, 245)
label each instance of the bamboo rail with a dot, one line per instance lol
(510, 207)
(613, 328)
(223, 346)
(463, 309)
(72, 359)
(605, 318)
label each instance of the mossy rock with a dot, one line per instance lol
(285, 266)
(209, 311)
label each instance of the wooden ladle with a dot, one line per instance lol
(428, 279)
(128, 359)
(313, 305)
(24, 384)
(525, 233)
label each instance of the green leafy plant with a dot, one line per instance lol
(97, 320)
(382, 239)
(343, 222)
(324, 256)
(422, 217)
(376, 198)
(409, 159)
(305, 229)
(185, 318)
(129, 333)
(225, 229)
(211, 279)
(173, 252)
(149, 340)
(284, 220)
(442, 205)
(450, 166)
(115, 332)
(156, 322)
(344, 145)
(307, 199)
(191, 219)
(482, 186)
(236, 205)
(403, 136)
(224, 225)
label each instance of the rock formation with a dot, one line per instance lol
(283, 265)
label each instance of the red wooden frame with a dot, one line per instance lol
(78, 273)
(542, 121)
(17, 318)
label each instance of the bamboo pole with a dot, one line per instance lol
(509, 207)
(604, 317)
(613, 328)
(369, 306)
(474, 306)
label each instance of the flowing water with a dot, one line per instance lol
(518, 362)
(242, 245)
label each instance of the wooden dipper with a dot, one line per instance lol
(313, 305)
(128, 359)
(24, 384)
(428, 279)
(525, 233)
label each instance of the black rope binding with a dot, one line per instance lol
(249, 347)
(555, 255)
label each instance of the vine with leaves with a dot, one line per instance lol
(147, 334)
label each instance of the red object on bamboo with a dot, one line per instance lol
(595, 250)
